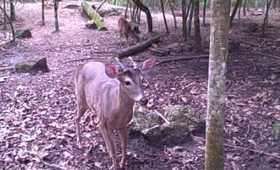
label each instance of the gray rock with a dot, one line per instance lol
(176, 130)
(23, 33)
(32, 66)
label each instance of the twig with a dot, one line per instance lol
(266, 55)
(46, 163)
(161, 116)
(241, 148)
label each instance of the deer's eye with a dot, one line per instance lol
(127, 83)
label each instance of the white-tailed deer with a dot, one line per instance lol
(126, 30)
(110, 93)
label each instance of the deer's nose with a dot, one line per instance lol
(144, 101)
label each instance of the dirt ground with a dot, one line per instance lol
(37, 111)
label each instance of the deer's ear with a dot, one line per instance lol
(148, 64)
(111, 70)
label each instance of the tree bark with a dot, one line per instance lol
(12, 10)
(265, 20)
(234, 11)
(173, 13)
(184, 19)
(163, 14)
(43, 12)
(56, 15)
(214, 154)
(10, 23)
(244, 7)
(189, 30)
(204, 12)
(147, 12)
(197, 36)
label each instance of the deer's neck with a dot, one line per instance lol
(124, 99)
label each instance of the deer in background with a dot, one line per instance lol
(110, 92)
(127, 30)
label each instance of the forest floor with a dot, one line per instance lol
(37, 111)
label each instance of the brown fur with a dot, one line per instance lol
(126, 30)
(111, 99)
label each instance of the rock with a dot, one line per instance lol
(91, 25)
(182, 114)
(176, 130)
(23, 33)
(32, 66)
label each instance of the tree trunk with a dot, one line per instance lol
(4, 11)
(265, 20)
(189, 30)
(244, 7)
(43, 12)
(173, 13)
(147, 12)
(184, 19)
(56, 15)
(163, 14)
(239, 9)
(234, 11)
(197, 36)
(10, 23)
(214, 154)
(12, 10)
(204, 12)
(126, 8)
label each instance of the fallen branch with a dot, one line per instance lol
(93, 15)
(102, 3)
(182, 58)
(138, 47)
(242, 148)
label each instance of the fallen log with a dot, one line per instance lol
(139, 47)
(93, 15)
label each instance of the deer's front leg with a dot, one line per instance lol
(123, 136)
(108, 138)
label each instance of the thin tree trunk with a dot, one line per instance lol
(197, 36)
(239, 9)
(126, 8)
(12, 10)
(173, 13)
(189, 30)
(10, 23)
(244, 7)
(265, 20)
(214, 154)
(43, 12)
(56, 15)
(147, 12)
(163, 14)
(204, 12)
(234, 11)
(139, 17)
(4, 11)
(184, 19)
